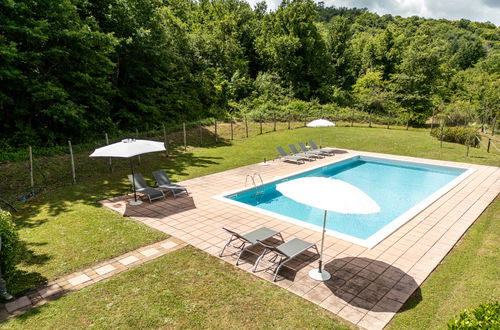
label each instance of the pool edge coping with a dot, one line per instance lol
(384, 232)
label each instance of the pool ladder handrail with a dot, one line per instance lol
(258, 194)
(252, 177)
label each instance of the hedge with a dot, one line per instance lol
(462, 135)
(486, 316)
(10, 245)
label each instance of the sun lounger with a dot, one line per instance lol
(325, 150)
(295, 152)
(284, 253)
(249, 239)
(163, 182)
(285, 156)
(318, 153)
(142, 187)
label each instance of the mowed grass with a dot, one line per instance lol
(468, 276)
(186, 289)
(65, 229)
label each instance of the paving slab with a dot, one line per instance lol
(368, 284)
(17, 304)
(77, 280)
(105, 269)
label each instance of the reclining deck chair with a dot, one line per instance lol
(284, 252)
(320, 154)
(295, 152)
(325, 150)
(249, 239)
(142, 187)
(285, 156)
(163, 182)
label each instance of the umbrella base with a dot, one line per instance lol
(135, 203)
(316, 275)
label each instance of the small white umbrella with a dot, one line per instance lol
(129, 148)
(320, 123)
(329, 195)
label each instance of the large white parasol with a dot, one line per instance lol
(329, 195)
(320, 123)
(129, 148)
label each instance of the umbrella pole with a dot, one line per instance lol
(322, 244)
(320, 274)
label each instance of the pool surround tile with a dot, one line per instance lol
(368, 286)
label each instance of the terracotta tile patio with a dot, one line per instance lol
(368, 286)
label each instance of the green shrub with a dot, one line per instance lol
(485, 316)
(462, 135)
(10, 245)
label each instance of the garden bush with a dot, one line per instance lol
(10, 245)
(486, 316)
(462, 135)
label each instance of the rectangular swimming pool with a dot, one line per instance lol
(402, 189)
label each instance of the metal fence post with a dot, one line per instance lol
(110, 162)
(246, 126)
(184, 132)
(165, 139)
(201, 135)
(32, 181)
(231, 122)
(216, 137)
(72, 162)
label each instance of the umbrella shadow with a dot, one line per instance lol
(372, 284)
(103, 184)
(160, 208)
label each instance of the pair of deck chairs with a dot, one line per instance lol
(299, 157)
(163, 183)
(281, 254)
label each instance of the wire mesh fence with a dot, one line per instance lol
(69, 164)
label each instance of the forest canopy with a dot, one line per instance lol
(70, 69)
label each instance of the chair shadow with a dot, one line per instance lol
(288, 271)
(364, 282)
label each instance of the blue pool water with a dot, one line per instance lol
(395, 185)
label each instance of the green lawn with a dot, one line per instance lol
(207, 294)
(64, 229)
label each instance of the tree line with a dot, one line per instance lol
(76, 68)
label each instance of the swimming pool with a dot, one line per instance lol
(402, 189)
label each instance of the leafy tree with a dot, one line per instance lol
(55, 73)
(337, 46)
(291, 45)
(418, 74)
(371, 94)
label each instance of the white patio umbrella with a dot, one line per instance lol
(329, 195)
(320, 123)
(129, 148)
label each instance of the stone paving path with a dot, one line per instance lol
(368, 286)
(89, 276)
